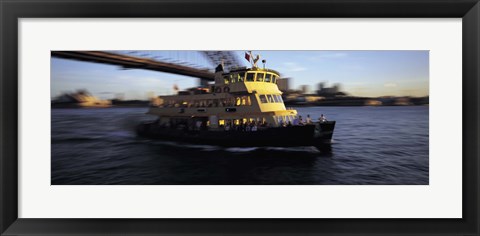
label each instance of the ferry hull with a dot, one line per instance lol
(318, 135)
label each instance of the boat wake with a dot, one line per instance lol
(212, 148)
(294, 149)
(241, 149)
(185, 145)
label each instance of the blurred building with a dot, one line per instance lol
(402, 101)
(283, 84)
(304, 89)
(395, 101)
(333, 91)
(81, 98)
(373, 102)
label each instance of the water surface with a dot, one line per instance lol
(372, 145)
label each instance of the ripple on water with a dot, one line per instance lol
(384, 145)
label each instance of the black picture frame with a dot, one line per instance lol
(11, 11)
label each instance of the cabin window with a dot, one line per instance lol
(241, 76)
(268, 77)
(280, 98)
(276, 98)
(274, 79)
(238, 101)
(250, 76)
(270, 98)
(249, 102)
(260, 77)
(263, 98)
(235, 78)
(244, 101)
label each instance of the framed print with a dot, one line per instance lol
(255, 118)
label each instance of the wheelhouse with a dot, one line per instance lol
(252, 75)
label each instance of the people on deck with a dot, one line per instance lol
(309, 120)
(300, 120)
(252, 125)
(322, 118)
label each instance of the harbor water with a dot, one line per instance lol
(371, 146)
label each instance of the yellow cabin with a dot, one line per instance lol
(239, 96)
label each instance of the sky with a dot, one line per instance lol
(359, 73)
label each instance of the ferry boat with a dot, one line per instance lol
(243, 108)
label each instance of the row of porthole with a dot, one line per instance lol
(219, 90)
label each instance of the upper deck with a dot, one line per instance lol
(240, 93)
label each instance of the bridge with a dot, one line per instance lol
(148, 60)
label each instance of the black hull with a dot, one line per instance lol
(318, 135)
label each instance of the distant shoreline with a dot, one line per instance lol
(289, 105)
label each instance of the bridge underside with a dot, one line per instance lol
(130, 62)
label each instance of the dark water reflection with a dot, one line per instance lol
(372, 145)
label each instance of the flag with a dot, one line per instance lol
(247, 56)
(175, 87)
